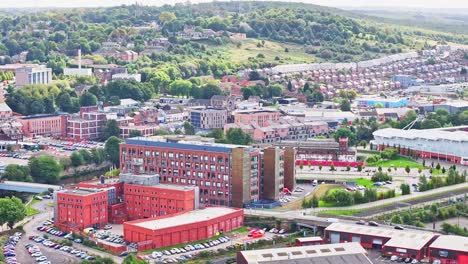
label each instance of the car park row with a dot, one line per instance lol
(57, 246)
(182, 252)
(9, 248)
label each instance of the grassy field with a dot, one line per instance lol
(30, 210)
(332, 188)
(271, 50)
(364, 182)
(399, 162)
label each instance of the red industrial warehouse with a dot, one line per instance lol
(403, 243)
(449, 249)
(185, 227)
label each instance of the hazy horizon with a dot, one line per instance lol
(449, 4)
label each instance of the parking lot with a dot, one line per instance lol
(185, 252)
(30, 230)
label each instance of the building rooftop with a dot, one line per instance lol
(350, 253)
(408, 239)
(184, 219)
(82, 191)
(457, 243)
(192, 145)
(38, 116)
(427, 134)
(309, 239)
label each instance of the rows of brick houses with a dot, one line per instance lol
(171, 175)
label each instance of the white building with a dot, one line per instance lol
(449, 144)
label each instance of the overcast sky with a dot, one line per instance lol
(337, 3)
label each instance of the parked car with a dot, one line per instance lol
(372, 223)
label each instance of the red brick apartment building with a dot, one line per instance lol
(80, 208)
(43, 125)
(185, 227)
(86, 126)
(142, 196)
(226, 175)
(158, 200)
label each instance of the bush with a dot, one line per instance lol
(405, 189)
(389, 153)
(381, 177)
(373, 159)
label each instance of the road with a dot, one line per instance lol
(300, 213)
(55, 256)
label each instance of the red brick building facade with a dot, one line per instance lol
(154, 201)
(226, 175)
(81, 208)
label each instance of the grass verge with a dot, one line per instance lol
(30, 210)
(399, 162)
(339, 212)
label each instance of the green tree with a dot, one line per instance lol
(12, 210)
(407, 169)
(88, 99)
(396, 219)
(167, 17)
(314, 202)
(134, 133)
(430, 123)
(189, 129)
(111, 129)
(180, 87)
(99, 260)
(87, 157)
(345, 105)
(112, 149)
(131, 259)
(237, 136)
(97, 155)
(76, 159)
(290, 86)
(45, 169)
(344, 132)
(405, 189)
(15, 172)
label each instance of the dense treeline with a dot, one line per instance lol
(326, 32)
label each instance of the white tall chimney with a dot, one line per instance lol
(79, 59)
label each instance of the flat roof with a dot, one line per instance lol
(449, 242)
(82, 192)
(408, 239)
(189, 145)
(333, 253)
(309, 239)
(428, 134)
(39, 116)
(185, 218)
